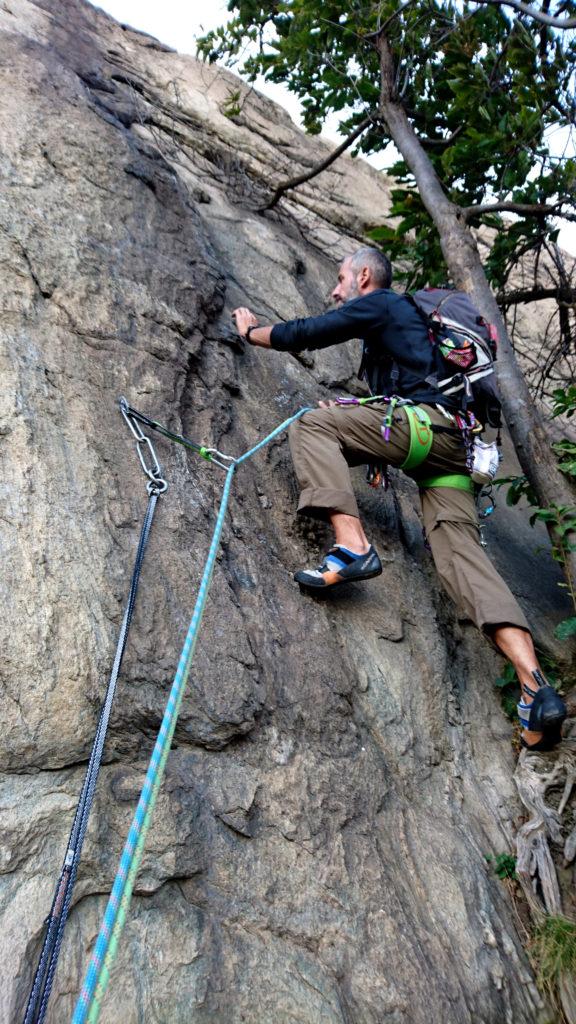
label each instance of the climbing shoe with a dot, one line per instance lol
(340, 566)
(545, 714)
(548, 741)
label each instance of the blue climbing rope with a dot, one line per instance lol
(98, 972)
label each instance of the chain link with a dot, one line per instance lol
(153, 470)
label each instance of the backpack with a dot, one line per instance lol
(464, 349)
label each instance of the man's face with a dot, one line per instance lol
(347, 287)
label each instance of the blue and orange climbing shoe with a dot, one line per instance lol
(545, 714)
(340, 566)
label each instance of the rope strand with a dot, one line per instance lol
(98, 972)
(44, 976)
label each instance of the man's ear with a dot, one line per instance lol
(364, 277)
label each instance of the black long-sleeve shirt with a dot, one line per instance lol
(394, 335)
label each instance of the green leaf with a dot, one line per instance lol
(545, 515)
(564, 630)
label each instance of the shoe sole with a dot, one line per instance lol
(545, 745)
(550, 738)
(337, 583)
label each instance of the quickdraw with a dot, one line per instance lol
(132, 416)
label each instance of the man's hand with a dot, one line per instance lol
(330, 404)
(244, 319)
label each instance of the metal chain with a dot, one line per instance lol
(156, 484)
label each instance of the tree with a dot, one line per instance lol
(469, 94)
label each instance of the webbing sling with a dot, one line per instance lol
(421, 436)
(457, 480)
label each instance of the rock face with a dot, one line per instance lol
(341, 768)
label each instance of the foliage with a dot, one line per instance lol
(413, 245)
(232, 106)
(566, 629)
(484, 89)
(554, 952)
(565, 401)
(563, 520)
(509, 687)
(520, 487)
(504, 865)
(565, 405)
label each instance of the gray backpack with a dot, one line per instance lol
(464, 350)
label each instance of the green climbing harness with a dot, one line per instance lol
(421, 433)
(458, 480)
(421, 437)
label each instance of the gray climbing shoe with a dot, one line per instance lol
(545, 714)
(340, 567)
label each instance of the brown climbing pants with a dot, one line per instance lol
(326, 442)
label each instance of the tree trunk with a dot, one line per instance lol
(463, 259)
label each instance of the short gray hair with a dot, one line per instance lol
(378, 264)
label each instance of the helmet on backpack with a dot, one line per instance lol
(464, 349)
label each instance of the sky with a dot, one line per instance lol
(178, 23)
(174, 22)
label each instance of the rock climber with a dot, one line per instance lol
(397, 359)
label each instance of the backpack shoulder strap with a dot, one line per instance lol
(424, 316)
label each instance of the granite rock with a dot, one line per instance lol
(340, 768)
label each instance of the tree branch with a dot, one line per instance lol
(564, 296)
(443, 142)
(402, 133)
(524, 209)
(382, 27)
(544, 19)
(301, 178)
